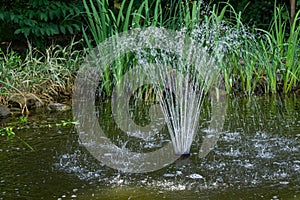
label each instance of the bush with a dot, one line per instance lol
(37, 20)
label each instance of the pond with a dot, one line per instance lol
(257, 156)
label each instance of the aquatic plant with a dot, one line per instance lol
(256, 61)
(10, 134)
(280, 45)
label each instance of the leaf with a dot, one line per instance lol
(36, 31)
(63, 29)
(48, 32)
(42, 30)
(63, 9)
(76, 26)
(30, 14)
(51, 14)
(30, 22)
(25, 31)
(18, 31)
(70, 29)
(12, 17)
(53, 29)
(43, 16)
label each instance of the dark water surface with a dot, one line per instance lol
(256, 157)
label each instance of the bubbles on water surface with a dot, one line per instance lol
(219, 170)
(243, 158)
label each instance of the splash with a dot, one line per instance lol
(182, 71)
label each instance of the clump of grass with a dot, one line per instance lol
(241, 63)
(40, 76)
(259, 61)
(282, 51)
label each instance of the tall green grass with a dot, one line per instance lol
(282, 52)
(104, 22)
(255, 60)
(261, 61)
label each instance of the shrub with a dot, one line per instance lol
(37, 20)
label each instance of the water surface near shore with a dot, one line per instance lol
(257, 156)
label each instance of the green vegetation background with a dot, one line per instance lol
(43, 22)
(42, 41)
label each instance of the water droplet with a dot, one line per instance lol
(195, 176)
(169, 175)
(284, 182)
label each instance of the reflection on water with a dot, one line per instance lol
(257, 156)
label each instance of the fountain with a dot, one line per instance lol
(256, 156)
(180, 69)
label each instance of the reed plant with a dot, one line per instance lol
(104, 22)
(261, 61)
(255, 60)
(282, 52)
(292, 63)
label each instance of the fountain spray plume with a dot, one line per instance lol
(185, 77)
(181, 70)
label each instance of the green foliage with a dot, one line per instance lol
(7, 132)
(281, 46)
(37, 20)
(23, 120)
(268, 59)
(256, 60)
(104, 22)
